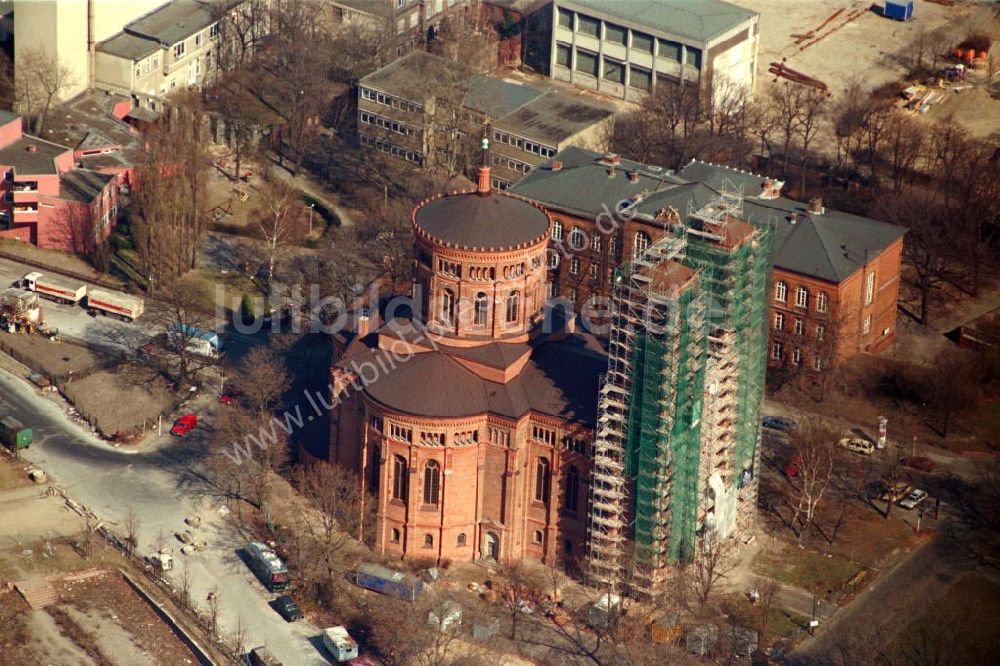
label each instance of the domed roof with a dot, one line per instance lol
(475, 221)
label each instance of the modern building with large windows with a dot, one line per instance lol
(627, 49)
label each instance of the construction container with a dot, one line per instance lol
(969, 55)
(900, 10)
(386, 581)
(14, 435)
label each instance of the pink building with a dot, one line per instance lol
(45, 199)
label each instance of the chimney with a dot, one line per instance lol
(483, 186)
(611, 171)
(556, 165)
(771, 189)
(816, 206)
(633, 176)
(364, 323)
(32, 148)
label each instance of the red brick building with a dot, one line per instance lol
(472, 432)
(835, 277)
(44, 199)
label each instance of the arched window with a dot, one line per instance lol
(779, 321)
(399, 483)
(448, 306)
(542, 478)
(640, 244)
(577, 239)
(574, 266)
(481, 309)
(553, 259)
(538, 536)
(428, 541)
(395, 535)
(513, 303)
(780, 291)
(432, 482)
(461, 539)
(572, 489)
(557, 230)
(801, 297)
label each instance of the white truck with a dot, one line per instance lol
(114, 304)
(62, 290)
(340, 644)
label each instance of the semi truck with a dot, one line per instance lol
(268, 567)
(122, 306)
(386, 581)
(14, 435)
(62, 290)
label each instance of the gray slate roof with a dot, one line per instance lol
(28, 162)
(174, 21)
(7, 116)
(132, 47)
(82, 185)
(471, 220)
(496, 97)
(696, 20)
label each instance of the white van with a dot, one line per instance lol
(340, 644)
(857, 445)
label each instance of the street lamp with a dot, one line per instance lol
(311, 207)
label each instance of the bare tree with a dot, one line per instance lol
(80, 230)
(263, 378)
(280, 220)
(516, 588)
(178, 316)
(814, 448)
(767, 597)
(811, 112)
(131, 525)
(251, 448)
(417, 633)
(712, 563)
(41, 82)
(784, 103)
(952, 384)
(387, 239)
(903, 143)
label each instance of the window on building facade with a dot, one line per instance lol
(613, 71)
(448, 306)
(779, 321)
(670, 50)
(796, 356)
(428, 541)
(613, 245)
(867, 325)
(817, 364)
(801, 297)
(461, 540)
(642, 42)
(178, 50)
(197, 40)
(213, 32)
(513, 303)
(395, 535)
(595, 242)
(800, 327)
(577, 239)
(639, 244)
(565, 19)
(557, 230)
(820, 332)
(588, 25)
(375, 423)
(400, 433)
(432, 482)
(542, 479)
(571, 500)
(564, 56)
(640, 78)
(594, 271)
(822, 302)
(574, 266)
(399, 478)
(776, 351)
(537, 537)
(586, 62)
(693, 57)
(869, 288)
(780, 291)
(615, 34)
(553, 260)
(481, 309)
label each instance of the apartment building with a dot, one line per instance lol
(835, 278)
(401, 113)
(45, 199)
(67, 31)
(628, 49)
(168, 49)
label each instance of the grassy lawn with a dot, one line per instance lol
(805, 569)
(959, 627)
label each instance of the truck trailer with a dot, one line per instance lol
(122, 306)
(386, 581)
(58, 289)
(14, 435)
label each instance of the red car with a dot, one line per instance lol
(793, 466)
(225, 399)
(922, 463)
(184, 425)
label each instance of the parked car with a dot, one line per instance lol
(225, 399)
(287, 608)
(913, 498)
(857, 445)
(184, 425)
(922, 463)
(793, 466)
(861, 434)
(895, 492)
(780, 423)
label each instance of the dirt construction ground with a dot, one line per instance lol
(871, 47)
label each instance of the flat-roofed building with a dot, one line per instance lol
(627, 49)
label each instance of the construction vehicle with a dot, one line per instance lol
(19, 310)
(109, 303)
(61, 290)
(14, 435)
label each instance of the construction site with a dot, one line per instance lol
(677, 445)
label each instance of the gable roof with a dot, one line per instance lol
(696, 20)
(82, 185)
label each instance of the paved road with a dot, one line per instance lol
(161, 482)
